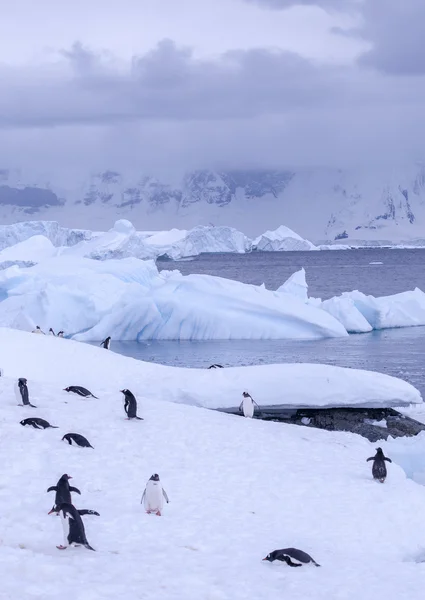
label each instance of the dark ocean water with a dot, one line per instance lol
(398, 352)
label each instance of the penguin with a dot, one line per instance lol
(73, 526)
(21, 392)
(38, 330)
(216, 366)
(80, 440)
(154, 495)
(379, 468)
(130, 405)
(60, 334)
(286, 554)
(63, 492)
(51, 332)
(247, 405)
(81, 391)
(37, 423)
(106, 343)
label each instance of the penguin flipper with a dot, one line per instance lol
(165, 495)
(74, 489)
(86, 511)
(53, 488)
(371, 458)
(388, 459)
(290, 563)
(143, 495)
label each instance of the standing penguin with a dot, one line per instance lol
(38, 330)
(154, 495)
(60, 334)
(63, 492)
(21, 392)
(379, 468)
(51, 332)
(73, 526)
(130, 405)
(248, 405)
(106, 343)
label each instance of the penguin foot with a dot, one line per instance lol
(61, 547)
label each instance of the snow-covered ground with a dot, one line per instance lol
(238, 489)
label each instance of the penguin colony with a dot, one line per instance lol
(154, 494)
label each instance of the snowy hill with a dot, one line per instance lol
(320, 204)
(238, 489)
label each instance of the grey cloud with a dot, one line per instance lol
(396, 30)
(326, 4)
(166, 83)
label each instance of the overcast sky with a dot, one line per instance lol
(160, 84)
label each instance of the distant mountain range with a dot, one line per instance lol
(320, 204)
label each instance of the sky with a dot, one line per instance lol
(178, 84)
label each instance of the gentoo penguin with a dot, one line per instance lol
(154, 495)
(73, 526)
(63, 492)
(130, 405)
(81, 391)
(60, 334)
(80, 440)
(379, 468)
(216, 366)
(106, 343)
(51, 332)
(37, 423)
(286, 554)
(247, 405)
(38, 330)
(21, 392)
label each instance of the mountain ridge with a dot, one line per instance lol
(320, 204)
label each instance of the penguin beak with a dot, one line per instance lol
(265, 558)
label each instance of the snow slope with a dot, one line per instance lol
(238, 489)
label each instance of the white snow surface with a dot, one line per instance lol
(34, 249)
(238, 489)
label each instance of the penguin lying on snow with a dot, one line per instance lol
(289, 555)
(63, 492)
(38, 330)
(130, 405)
(38, 423)
(73, 526)
(216, 366)
(80, 440)
(106, 343)
(154, 495)
(81, 391)
(247, 406)
(60, 334)
(21, 392)
(379, 468)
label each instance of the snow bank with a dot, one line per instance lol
(128, 299)
(286, 385)
(234, 486)
(280, 239)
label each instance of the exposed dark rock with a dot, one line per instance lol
(367, 422)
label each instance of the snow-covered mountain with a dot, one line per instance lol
(321, 204)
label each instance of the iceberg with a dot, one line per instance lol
(281, 239)
(129, 299)
(33, 250)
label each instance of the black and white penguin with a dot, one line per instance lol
(21, 392)
(51, 332)
(38, 330)
(80, 440)
(81, 391)
(216, 366)
(73, 526)
(106, 343)
(247, 406)
(130, 405)
(60, 334)
(292, 556)
(37, 423)
(63, 492)
(379, 468)
(154, 495)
